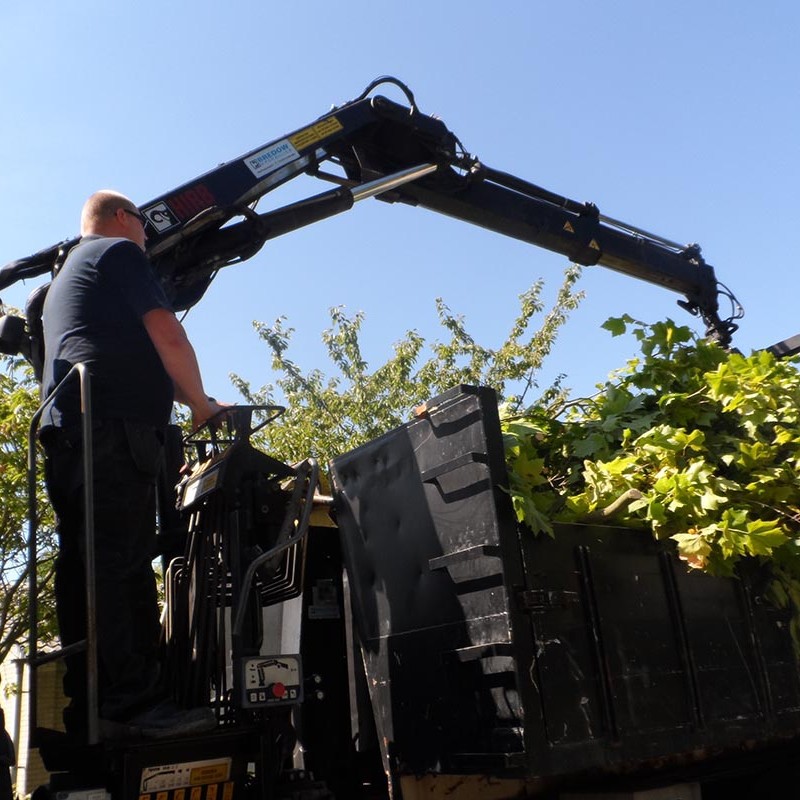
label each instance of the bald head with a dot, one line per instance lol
(109, 213)
(100, 209)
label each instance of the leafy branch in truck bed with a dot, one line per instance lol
(695, 443)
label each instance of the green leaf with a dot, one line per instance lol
(616, 325)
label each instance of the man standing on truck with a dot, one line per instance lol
(106, 309)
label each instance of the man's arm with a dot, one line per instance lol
(179, 360)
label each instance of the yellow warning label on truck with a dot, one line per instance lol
(204, 791)
(315, 133)
(172, 777)
(209, 773)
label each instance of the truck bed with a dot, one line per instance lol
(490, 651)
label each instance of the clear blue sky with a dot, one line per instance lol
(681, 118)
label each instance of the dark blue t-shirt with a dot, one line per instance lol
(93, 314)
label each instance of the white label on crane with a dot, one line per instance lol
(271, 157)
(271, 680)
(185, 774)
(262, 671)
(161, 217)
(200, 485)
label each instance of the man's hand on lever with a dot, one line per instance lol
(208, 411)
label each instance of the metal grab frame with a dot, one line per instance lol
(302, 529)
(90, 643)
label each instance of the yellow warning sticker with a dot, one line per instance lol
(210, 773)
(593, 244)
(165, 778)
(568, 227)
(315, 133)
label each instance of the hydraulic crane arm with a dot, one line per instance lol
(373, 146)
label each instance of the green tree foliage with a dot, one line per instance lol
(326, 416)
(19, 398)
(695, 443)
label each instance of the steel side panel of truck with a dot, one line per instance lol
(491, 651)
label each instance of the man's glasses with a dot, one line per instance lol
(141, 217)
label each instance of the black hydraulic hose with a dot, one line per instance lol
(311, 469)
(389, 79)
(532, 190)
(529, 189)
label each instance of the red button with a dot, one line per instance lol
(278, 690)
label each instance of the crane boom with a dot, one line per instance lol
(400, 155)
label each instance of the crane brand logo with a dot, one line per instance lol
(160, 217)
(271, 157)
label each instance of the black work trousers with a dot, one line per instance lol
(127, 457)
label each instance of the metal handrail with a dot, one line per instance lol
(302, 529)
(82, 374)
